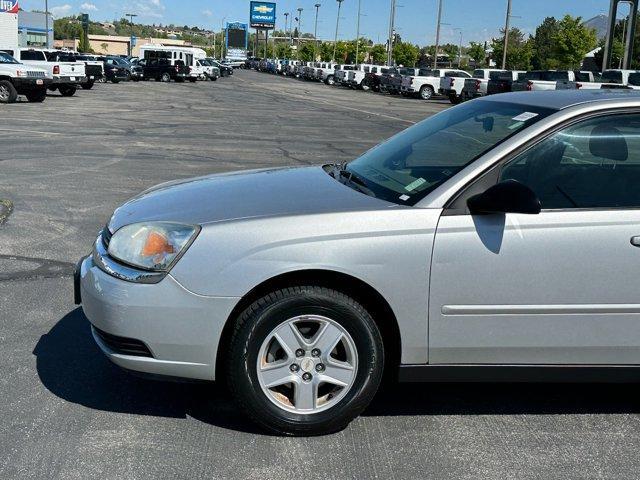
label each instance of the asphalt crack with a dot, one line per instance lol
(42, 268)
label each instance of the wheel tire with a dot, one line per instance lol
(88, 85)
(426, 92)
(8, 93)
(192, 80)
(115, 80)
(37, 96)
(165, 77)
(454, 99)
(365, 86)
(67, 91)
(331, 80)
(258, 322)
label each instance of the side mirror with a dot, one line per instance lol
(509, 196)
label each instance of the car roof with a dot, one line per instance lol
(561, 99)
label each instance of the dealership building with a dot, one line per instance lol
(24, 29)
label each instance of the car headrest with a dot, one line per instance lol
(607, 142)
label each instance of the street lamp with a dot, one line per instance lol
(358, 32)
(335, 39)
(506, 35)
(315, 34)
(222, 29)
(435, 60)
(286, 19)
(46, 19)
(131, 17)
(459, 46)
(392, 21)
(299, 18)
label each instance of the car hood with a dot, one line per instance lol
(241, 195)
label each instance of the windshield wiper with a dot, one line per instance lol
(352, 179)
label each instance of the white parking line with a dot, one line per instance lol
(13, 130)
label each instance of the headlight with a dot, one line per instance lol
(152, 246)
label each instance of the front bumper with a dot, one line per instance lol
(180, 329)
(30, 83)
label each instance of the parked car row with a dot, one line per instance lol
(34, 72)
(455, 84)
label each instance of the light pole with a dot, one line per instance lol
(286, 19)
(222, 39)
(46, 19)
(315, 34)
(435, 59)
(298, 39)
(506, 35)
(459, 47)
(335, 38)
(358, 32)
(131, 17)
(392, 21)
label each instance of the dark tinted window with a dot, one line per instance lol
(32, 55)
(634, 79)
(593, 164)
(497, 75)
(583, 76)
(611, 76)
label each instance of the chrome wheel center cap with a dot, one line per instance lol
(307, 365)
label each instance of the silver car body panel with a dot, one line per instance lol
(554, 288)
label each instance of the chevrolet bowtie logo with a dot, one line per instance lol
(263, 9)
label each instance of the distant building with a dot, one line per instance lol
(118, 45)
(32, 29)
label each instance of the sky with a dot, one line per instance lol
(479, 20)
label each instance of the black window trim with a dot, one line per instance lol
(491, 175)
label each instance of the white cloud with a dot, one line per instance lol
(149, 8)
(207, 13)
(60, 10)
(88, 7)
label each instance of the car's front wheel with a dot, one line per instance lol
(304, 360)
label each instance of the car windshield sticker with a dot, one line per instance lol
(523, 117)
(404, 198)
(415, 184)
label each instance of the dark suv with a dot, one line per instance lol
(115, 70)
(161, 70)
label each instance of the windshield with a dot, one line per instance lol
(405, 168)
(6, 58)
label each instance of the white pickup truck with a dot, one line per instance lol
(18, 79)
(67, 76)
(476, 86)
(341, 74)
(451, 85)
(426, 86)
(355, 78)
(537, 80)
(325, 72)
(613, 78)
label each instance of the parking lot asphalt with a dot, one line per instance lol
(66, 412)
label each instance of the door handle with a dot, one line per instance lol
(635, 241)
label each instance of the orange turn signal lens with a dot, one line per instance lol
(156, 244)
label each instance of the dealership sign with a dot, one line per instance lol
(8, 6)
(262, 15)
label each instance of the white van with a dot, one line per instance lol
(187, 55)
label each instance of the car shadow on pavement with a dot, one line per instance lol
(72, 367)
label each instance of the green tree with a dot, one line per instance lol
(326, 51)
(477, 52)
(378, 54)
(570, 43)
(543, 43)
(519, 50)
(306, 52)
(405, 54)
(283, 50)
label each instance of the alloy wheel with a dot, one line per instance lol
(307, 364)
(4, 93)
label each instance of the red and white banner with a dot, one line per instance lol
(8, 6)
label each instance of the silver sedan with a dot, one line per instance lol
(497, 240)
